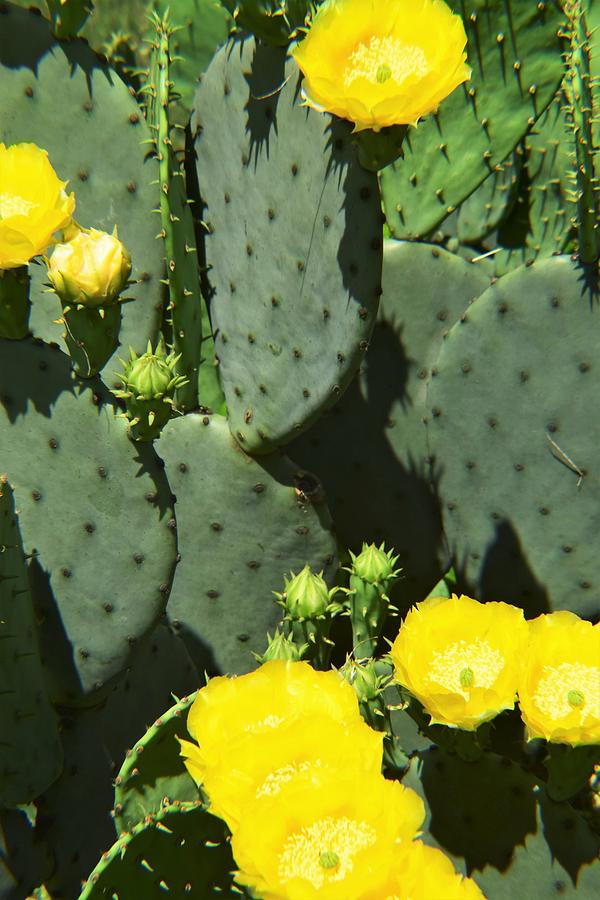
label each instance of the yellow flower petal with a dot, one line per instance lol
(425, 873)
(559, 688)
(382, 62)
(257, 765)
(326, 835)
(461, 658)
(33, 204)
(278, 691)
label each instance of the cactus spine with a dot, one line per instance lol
(581, 120)
(177, 228)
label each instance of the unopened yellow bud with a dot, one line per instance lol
(91, 269)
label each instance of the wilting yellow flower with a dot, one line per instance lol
(33, 204)
(91, 269)
(461, 658)
(276, 693)
(382, 62)
(260, 764)
(328, 835)
(559, 688)
(425, 873)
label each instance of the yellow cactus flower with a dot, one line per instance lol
(382, 62)
(461, 658)
(33, 204)
(91, 269)
(559, 687)
(277, 692)
(424, 873)
(260, 764)
(328, 835)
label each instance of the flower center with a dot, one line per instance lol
(462, 666)
(13, 205)
(384, 58)
(275, 780)
(568, 687)
(302, 855)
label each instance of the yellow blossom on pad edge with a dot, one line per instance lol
(33, 204)
(425, 873)
(382, 62)
(461, 658)
(559, 688)
(326, 835)
(227, 708)
(261, 764)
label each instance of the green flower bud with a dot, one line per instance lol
(281, 647)
(374, 565)
(149, 385)
(362, 675)
(305, 595)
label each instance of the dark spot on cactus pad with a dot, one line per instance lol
(326, 314)
(524, 376)
(107, 607)
(183, 468)
(248, 416)
(518, 467)
(585, 585)
(145, 276)
(336, 389)
(36, 495)
(212, 594)
(138, 558)
(544, 511)
(503, 308)
(242, 638)
(89, 528)
(274, 301)
(466, 367)
(66, 573)
(300, 265)
(237, 391)
(297, 353)
(364, 346)
(584, 367)
(436, 412)
(206, 420)
(88, 106)
(253, 564)
(172, 524)
(164, 589)
(340, 357)
(29, 91)
(227, 197)
(226, 88)
(555, 303)
(53, 444)
(469, 464)
(302, 530)
(251, 339)
(567, 549)
(258, 487)
(306, 393)
(83, 175)
(560, 887)
(552, 427)
(102, 472)
(271, 214)
(84, 654)
(294, 169)
(326, 221)
(152, 497)
(132, 187)
(262, 388)
(492, 422)
(134, 118)
(249, 249)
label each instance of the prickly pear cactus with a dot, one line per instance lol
(294, 245)
(241, 524)
(87, 495)
(514, 53)
(504, 428)
(61, 97)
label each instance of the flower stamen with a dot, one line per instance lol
(568, 687)
(458, 666)
(384, 58)
(302, 855)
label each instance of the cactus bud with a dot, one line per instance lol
(371, 574)
(305, 595)
(363, 676)
(149, 385)
(374, 565)
(281, 647)
(91, 270)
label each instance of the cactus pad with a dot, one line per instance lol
(294, 245)
(516, 447)
(94, 515)
(242, 525)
